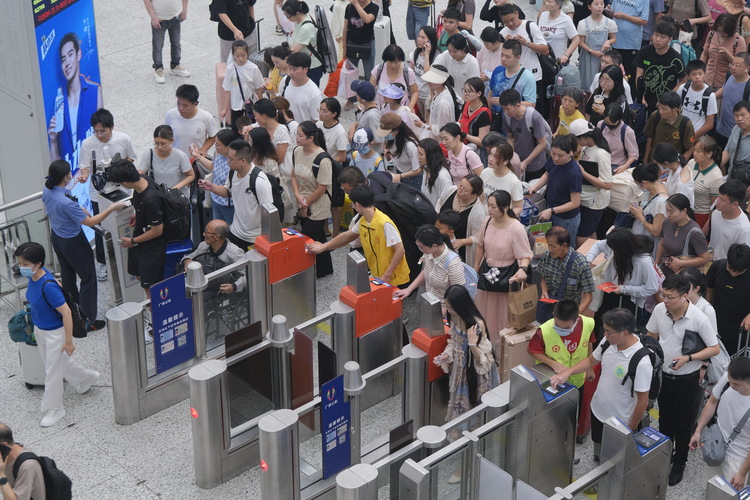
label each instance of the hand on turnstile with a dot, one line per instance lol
(558, 379)
(315, 247)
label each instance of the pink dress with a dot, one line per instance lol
(501, 248)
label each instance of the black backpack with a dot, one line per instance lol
(57, 484)
(176, 216)
(80, 321)
(653, 350)
(337, 198)
(212, 14)
(323, 52)
(277, 189)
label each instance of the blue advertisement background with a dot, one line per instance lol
(335, 428)
(53, 19)
(172, 322)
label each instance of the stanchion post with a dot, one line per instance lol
(124, 328)
(210, 437)
(278, 434)
(195, 283)
(343, 334)
(354, 384)
(282, 341)
(415, 385)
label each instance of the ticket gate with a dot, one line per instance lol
(719, 488)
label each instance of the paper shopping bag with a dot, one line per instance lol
(522, 306)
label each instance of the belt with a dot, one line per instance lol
(678, 377)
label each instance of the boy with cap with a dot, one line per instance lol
(363, 156)
(368, 113)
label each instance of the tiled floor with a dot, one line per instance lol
(153, 458)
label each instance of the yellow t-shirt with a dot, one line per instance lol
(566, 120)
(275, 78)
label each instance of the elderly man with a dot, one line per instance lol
(565, 274)
(215, 252)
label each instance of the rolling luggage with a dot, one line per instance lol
(382, 38)
(513, 350)
(32, 365)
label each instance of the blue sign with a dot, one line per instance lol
(334, 425)
(172, 320)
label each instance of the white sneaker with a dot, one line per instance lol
(101, 272)
(84, 386)
(52, 417)
(178, 71)
(159, 76)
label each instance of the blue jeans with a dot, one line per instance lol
(367, 64)
(157, 42)
(225, 213)
(416, 17)
(570, 224)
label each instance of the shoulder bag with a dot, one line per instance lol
(495, 279)
(712, 441)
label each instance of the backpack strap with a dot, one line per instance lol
(746, 92)
(20, 459)
(229, 189)
(44, 295)
(706, 97)
(515, 81)
(316, 166)
(633, 366)
(683, 126)
(310, 46)
(253, 179)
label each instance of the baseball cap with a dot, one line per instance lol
(392, 92)
(362, 137)
(580, 127)
(364, 90)
(388, 122)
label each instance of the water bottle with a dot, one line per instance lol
(59, 110)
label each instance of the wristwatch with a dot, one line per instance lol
(552, 209)
(3, 480)
(690, 357)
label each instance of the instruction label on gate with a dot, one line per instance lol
(172, 322)
(334, 422)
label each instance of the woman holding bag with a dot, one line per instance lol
(502, 245)
(359, 36)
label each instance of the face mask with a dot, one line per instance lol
(612, 127)
(389, 137)
(364, 149)
(26, 272)
(563, 332)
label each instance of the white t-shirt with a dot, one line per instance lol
(170, 170)
(509, 183)
(557, 31)
(592, 196)
(612, 398)
(418, 67)
(675, 185)
(193, 130)
(588, 25)
(671, 334)
(246, 222)
(529, 59)
(725, 232)
(442, 184)
(304, 101)
(408, 160)
(166, 9)
(459, 70)
(732, 407)
(442, 111)
(251, 79)
(707, 309)
(119, 143)
(692, 104)
(336, 138)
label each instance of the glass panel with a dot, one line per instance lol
(225, 312)
(493, 445)
(150, 358)
(13, 232)
(249, 387)
(390, 473)
(443, 476)
(387, 413)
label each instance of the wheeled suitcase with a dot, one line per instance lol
(382, 30)
(259, 59)
(514, 350)
(32, 365)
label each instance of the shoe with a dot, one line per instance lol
(148, 337)
(592, 490)
(85, 386)
(596, 459)
(455, 478)
(580, 439)
(675, 475)
(52, 417)
(279, 31)
(101, 272)
(159, 76)
(348, 106)
(96, 325)
(178, 71)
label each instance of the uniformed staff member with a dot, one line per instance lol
(71, 246)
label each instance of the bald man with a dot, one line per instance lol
(215, 252)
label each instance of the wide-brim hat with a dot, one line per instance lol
(435, 75)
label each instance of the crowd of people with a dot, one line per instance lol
(622, 122)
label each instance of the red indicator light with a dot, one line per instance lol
(193, 412)
(263, 465)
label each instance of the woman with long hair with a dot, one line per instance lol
(273, 120)
(465, 200)
(421, 60)
(166, 164)
(400, 146)
(682, 241)
(475, 117)
(563, 36)
(651, 212)
(312, 190)
(462, 159)
(305, 35)
(501, 176)
(679, 179)
(264, 152)
(280, 69)
(284, 108)
(441, 267)
(437, 178)
(393, 69)
(722, 44)
(442, 100)
(613, 92)
(222, 208)
(707, 177)
(596, 168)
(502, 242)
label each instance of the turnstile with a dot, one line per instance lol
(719, 488)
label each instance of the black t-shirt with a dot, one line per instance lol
(660, 72)
(238, 12)
(731, 297)
(357, 32)
(148, 206)
(460, 230)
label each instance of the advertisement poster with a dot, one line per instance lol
(334, 423)
(69, 67)
(172, 321)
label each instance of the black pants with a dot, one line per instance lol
(98, 238)
(315, 229)
(542, 103)
(244, 245)
(679, 404)
(77, 259)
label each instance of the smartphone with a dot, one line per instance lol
(673, 364)
(686, 26)
(4, 451)
(715, 49)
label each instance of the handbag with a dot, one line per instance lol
(358, 51)
(692, 342)
(247, 105)
(598, 274)
(712, 441)
(495, 279)
(522, 306)
(548, 63)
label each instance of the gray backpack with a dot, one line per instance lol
(571, 77)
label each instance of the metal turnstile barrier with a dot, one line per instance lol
(718, 488)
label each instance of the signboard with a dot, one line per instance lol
(334, 423)
(172, 320)
(68, 59)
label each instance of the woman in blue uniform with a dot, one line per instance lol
(72, 248)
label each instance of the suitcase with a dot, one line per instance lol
(32, 365)
(513, 350)
(259, 59)
(382, 38)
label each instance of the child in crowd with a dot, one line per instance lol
(447, 221)
(451, 17)
(392, 96)
(698, 99)
(363, 156)
(598, 34)
(242, 81)
(571, 99)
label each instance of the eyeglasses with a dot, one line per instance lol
(668, 298)
(610, 332)
(206, 231)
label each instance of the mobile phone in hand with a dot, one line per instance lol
(4, 451)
